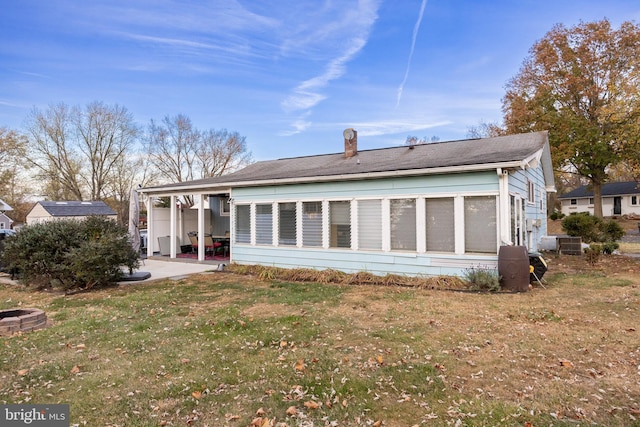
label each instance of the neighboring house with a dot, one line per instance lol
(5, 221)
(428, 209)
(618, 198)
(50, 210)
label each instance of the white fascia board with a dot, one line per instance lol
(227, 186)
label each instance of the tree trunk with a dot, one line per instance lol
(597, 199)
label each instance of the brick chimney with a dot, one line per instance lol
(350, 142)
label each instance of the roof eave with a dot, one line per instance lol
(227, 186)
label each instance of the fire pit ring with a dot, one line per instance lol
(21, 320)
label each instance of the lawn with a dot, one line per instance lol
(222, 349)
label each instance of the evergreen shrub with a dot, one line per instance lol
(70, 255)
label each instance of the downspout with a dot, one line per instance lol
(503, 188)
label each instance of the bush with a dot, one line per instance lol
(555, 215)
(70, 255)
(483, 279)
(593, 253)
(591, 228)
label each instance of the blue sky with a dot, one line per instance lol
(287, 75)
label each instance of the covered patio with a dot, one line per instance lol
(193, 227)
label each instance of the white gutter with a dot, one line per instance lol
(226, 186)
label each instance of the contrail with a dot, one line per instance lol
(416, 28)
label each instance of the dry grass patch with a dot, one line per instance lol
(224, 349)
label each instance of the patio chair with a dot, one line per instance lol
(210, 245)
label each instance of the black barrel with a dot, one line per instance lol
(513, 267)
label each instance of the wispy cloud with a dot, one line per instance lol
(347, 36)
(395, 127)
(416, 28)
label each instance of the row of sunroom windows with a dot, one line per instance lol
(408, 224)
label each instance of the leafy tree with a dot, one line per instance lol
(582, 84)
(75, 149)
(180, 152)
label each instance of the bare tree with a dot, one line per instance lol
(485, 130)
(180, 152)
(220, 151)
(105, 135)
(76, 149)
(171, 147)
(56, 157)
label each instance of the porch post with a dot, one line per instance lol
(172, 228)
(150, 231)
(201, 248)
(503, 209)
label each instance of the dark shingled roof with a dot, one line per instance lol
(503, 149)
(77, 208)
(609, 189)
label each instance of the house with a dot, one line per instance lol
(51, 210)
(618, 198)
(5, 221)
(428, 209)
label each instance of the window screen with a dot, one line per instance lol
(403, 224)
(243, 224)
(480, 224)
(340, 224)
(440, 225)
(370, 224)
(287, 221)
(312, 224)
(264, 224)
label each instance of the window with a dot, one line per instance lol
(574, 201)
(440, 225)
(531, 192)
(480, 224)
(591, 200)
(225, 207)
(287, 224)
(403, 224)
(634, 200)
(312, 224)
(370, 224)
(243, 224)
(264, 224)
(340, 224)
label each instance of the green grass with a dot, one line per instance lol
(214, 349)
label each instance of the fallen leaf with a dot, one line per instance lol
(380, 360)
(566, 363)
(311, 404)
(257, 422)
(291, 411)
(260, 412)
(231, 417)
(528, 424)
(80, 346)
(196, 394)
(299, 366)
(377, 423)
(283, 344)
(185, 361)
(75, 369)
(23, 372)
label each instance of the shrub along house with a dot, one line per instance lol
(427, 209)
